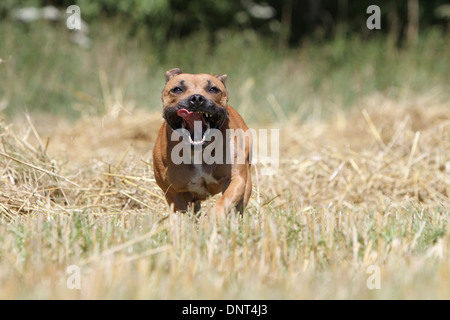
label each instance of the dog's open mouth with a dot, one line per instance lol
(197, 125)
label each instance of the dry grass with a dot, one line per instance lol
(369, 187)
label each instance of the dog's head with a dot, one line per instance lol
(194, 101)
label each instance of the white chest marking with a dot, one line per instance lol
(200, 180)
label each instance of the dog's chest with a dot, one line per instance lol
(202, 183)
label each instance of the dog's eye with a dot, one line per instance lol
(214, 90)
(177, 90)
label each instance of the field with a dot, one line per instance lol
(358, 209)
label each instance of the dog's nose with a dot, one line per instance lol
(196, 100)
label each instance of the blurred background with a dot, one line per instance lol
(284, 58)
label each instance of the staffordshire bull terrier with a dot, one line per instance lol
(195, 109)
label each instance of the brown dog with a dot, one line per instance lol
(195, 109)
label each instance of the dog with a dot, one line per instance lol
(195, 108)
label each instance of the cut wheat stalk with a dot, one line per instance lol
(39, 169)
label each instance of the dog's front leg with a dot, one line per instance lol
(232, 195)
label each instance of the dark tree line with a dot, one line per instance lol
(286, 20)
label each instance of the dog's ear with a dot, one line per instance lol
(222, 77)
(172, 73)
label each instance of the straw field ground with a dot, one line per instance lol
(362, 189)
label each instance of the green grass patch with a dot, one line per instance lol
(42, 70)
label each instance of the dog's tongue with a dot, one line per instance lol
(190, 118)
